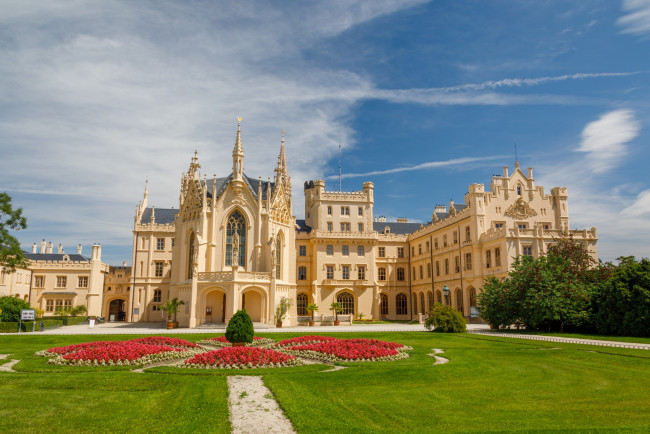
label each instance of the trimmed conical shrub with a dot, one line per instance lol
(240, 328)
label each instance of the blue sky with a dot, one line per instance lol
(424, 97)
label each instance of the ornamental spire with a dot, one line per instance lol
(238, 154)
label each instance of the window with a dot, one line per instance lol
(400, 304)
(488, 259)
(143, 242)
(329, 226)
(467, 233)
(345, 210)
(415, 303)
(381, 273)
(360, 227)
(39, 281)
(472, 297)
(421, 272)
(428, 270)
(428, 246)
(190, 257)
(438, 297)
(382, 252)
(345, 272)
(383, 304)
(361, 251)
(497, 257)
(412, 250)
(278, 256)
(446, 266)
(83, 282)
(360, 211)
(67, 304)
(429, 301)
(160, 244)
(459, 301)
(528, 250)
(329, 249)
(173, 241)
(413, 273)
(302, 273)
(400, 274)
(435, 244)
(159, 268)
(329, 210)
(302, 250)
(345, 227)
(49, 306)
(155, 308)
(61, 281)
(519, 190)
(419, 249)
(498, 225)
(457, 264)
(301, 304)
(330, 272)
(345, 250)
(400, 252)
(157, 296)
(361, 272)
(522, 225)
(468, 260)
(236, 236)
(437, 268)
(444, 241)
(347, 302)
(455, 237)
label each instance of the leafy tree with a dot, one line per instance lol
(171, 308)
(78, 310)
(11, 255)
(549, 292)
(445, 319)
(622, 305)
(240, 328)
(11, 307)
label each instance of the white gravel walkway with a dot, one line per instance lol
(596, 342)
(253, 408)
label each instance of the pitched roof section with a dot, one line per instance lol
(302, 226)
(162, 216)
(56, 257)
(396, 228)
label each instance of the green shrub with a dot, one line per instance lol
(11, 307)
(240, 328)
(445, 319)
(12, 327)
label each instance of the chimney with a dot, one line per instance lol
(440, 209)
(34, 248)
(530, 173)
(505, 171)
(402, 220)
(49, 247)
(97, 252)
(43, 246)
(59, 249)
(123, 263)
(78, 249)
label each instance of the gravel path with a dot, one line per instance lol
(439, 360)
(8, 367)
(615, 344)
(253, 408)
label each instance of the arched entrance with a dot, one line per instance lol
(215, 306)
(252, 302)
(117, 310)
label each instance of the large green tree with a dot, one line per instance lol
(549, 292)
(11, 255)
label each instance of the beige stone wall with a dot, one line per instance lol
(15, 284)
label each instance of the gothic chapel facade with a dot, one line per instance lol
(228, 246)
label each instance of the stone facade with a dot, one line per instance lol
(234, 243)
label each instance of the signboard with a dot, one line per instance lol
(27, 314)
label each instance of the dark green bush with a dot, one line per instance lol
(240, 328)
(11, 307)
(445, 319)
(12, 327)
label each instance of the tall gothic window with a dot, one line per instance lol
(383, 304)
(347, 302)
(236, 225)
(301, 304)
(278, 257)
(190, 256)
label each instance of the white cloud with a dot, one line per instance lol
(637, 20)
(605, 140)
(640, 206)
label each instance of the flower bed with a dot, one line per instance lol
(222, 342)
(240, 358)
(330, 349)
(134, 352)
(164, 340)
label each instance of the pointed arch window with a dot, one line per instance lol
(278, 257)
(190, 256)
(236, 225)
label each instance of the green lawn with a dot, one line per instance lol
(490, 384)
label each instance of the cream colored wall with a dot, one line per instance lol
(15, 284)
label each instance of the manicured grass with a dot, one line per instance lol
(490, 384)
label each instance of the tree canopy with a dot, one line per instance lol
(11, 255)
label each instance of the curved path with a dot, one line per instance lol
(615, 344)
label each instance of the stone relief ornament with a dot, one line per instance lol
(520, 210)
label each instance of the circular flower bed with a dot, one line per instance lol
(240, 358)
(330, 349)
(134, 352)
(222, 342)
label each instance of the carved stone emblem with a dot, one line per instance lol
(520, 210)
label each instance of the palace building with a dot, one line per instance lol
(233, 243)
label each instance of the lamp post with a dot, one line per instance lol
(445, 290)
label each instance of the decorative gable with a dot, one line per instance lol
(280, 211)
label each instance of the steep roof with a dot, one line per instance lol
(396, 228)
(162, 216)
(56, 257)
(302, 226)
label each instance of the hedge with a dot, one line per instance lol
(26, 326)
(69, 320)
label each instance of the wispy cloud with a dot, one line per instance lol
(422, 166)
(605, 141)
(637, 19)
